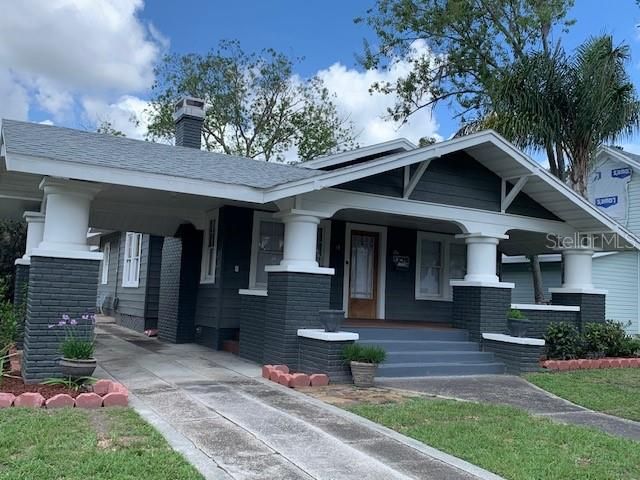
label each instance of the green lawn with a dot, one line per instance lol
(615, 391)
(510, 442)
(70, 444)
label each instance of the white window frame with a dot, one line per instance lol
(106, 256)
(325, 226)
(131, 279)
(445, 255)
(204, 276)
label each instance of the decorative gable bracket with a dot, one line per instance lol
(506, 199)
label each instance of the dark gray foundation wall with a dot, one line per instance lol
(592, 306)
(252, 323)
(543, 318)
(319, 356)
(517, 358)
(481, 310)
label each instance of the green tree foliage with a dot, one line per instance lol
(256, 107)
(13, 235)
(107, 128)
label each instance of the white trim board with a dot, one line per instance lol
(382, 265)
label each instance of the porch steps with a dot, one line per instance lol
(426, 352)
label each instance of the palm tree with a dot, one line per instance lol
(568, 106)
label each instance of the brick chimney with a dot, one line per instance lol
(188, 115)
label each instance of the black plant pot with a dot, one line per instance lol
(77, 368)
(518, 326)
(331, 319)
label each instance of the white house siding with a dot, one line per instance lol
(618, 274)
(633, 222)
(520, 274)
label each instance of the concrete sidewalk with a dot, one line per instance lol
(216, 410)
(517, 392)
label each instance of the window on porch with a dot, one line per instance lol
(209, 249)
(439, 258)
(268, 243)
(132, 254)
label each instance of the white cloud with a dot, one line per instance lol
(126, 114)
(60, 50)
(368, 111)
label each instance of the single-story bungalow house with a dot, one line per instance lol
(406, 241)
(614, 188)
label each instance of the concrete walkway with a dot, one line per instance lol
(216, 410)
(517, 392)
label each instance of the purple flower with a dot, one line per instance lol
(66, 317)
(62, 323)
(85, 316)
(51, 326)
(73, 322)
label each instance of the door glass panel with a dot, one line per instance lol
(362, 262)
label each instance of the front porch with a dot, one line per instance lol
(404, 237)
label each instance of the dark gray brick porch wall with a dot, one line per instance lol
(592, 306)
(542, 319)
(20, 296)
(517, 358)
(318, 356)
(132, 322)
(293, 302)
(481, 310)
(252, 316)
(57, 286)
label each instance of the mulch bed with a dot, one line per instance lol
(17, 386)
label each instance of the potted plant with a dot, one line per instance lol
(77, 347)
(517, 323)
(364, 361)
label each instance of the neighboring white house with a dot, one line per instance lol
(614, 187)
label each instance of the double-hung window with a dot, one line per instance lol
(132, 254)
(268, 243)
(439, 258)
(106, 254)
(209, 249)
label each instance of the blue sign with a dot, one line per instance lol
(606, 202)
(621, 172)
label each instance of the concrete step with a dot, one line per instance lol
(374, 333)
(424, 345)
(422, 356)
(423, 369)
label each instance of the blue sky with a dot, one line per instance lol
(94, 62)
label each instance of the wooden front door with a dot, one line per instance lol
(363, 274)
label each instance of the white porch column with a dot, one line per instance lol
(300, 241)
(66, 220)
(35, 231)
(577, 268)
(481, 261)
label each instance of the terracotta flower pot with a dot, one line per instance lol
(77, 368)
(363, 373)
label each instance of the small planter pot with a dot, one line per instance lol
(76, 368)
(363, 374)
(518, 326)
(331, 320)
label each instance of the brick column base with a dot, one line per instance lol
(293, 302)
(20, 298)
(481, 309)
(592, 305)
(252, 320)
(319, 356)
(57, 286)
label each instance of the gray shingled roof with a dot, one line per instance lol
(89, 148)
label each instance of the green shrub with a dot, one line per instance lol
(77, 349)
(10, 318)
(357, 352)
(562, 341)
(515, 314)
(607, 339)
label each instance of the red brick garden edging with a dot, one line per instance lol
(105, 394)
(590, 363)
(280, 374)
